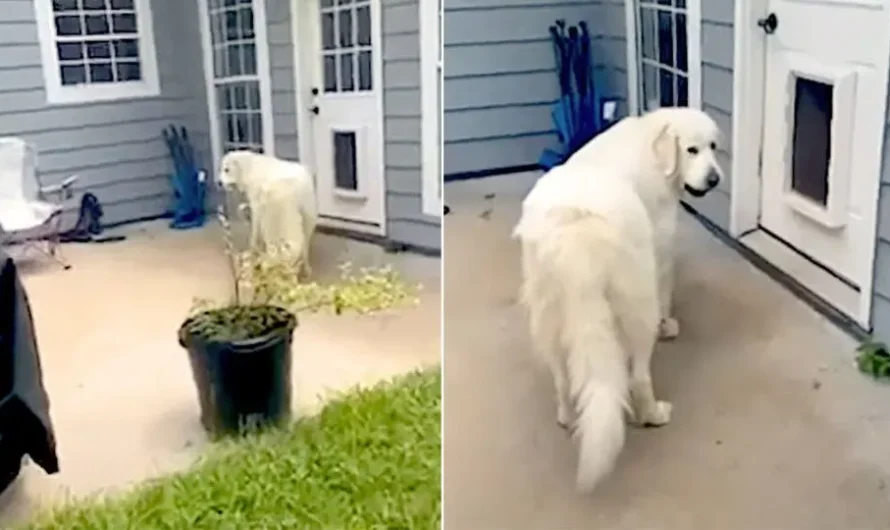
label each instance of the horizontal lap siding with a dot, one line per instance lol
(717, 80)
(283, 78)
(500, 79)
(406, 222)
(115, 148)
(881, 301)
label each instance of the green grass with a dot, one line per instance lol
(369, 460)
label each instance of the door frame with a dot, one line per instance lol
(261, 38)
(749, 85)
(693, 52)
(430, 36)
(302, 12)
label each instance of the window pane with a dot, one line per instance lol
(240, 93)
(347, 77)
(256, 128)
(73, 74)
(99, 50)
(343, 2)
(233, 51)
(364, 71)
(345, 28)
(101, 73)
(327, 31)
(126, 48)
(68, 25)
(811, 149)
(665, 39)
(64, 5)
(651, 99)
(124, 23)
(330, 73)
(247, 22)
(666, 88)
(233, 30)
(253, 95)
(241, 134)
(327, 3)
(345, 175)
(249, 52)
(97, 24)
(68, 51)
(664, 2)
(363, 16)
(682, 91)
(100, 5)
(680, 3)
(122, 4)
(682, 50)
(128, 71)
(649, 33)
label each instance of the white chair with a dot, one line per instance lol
(30, 213)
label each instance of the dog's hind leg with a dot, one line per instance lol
(668, 327)
(635, 299)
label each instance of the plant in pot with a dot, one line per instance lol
(240, 349)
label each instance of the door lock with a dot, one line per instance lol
(769, 23)
(314, 109)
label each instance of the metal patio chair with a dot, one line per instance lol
(30, 212)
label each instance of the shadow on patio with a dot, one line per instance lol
(773, 427)
(122, 399)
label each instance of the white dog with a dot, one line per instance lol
(281, 198)
(590, 239)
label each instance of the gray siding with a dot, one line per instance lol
(114, 147)
(500, 80)
(880, 316)
(406, 222)
(281, 62)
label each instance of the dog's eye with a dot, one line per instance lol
(693, 150)
(713, 146)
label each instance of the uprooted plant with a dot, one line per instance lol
(265, 281)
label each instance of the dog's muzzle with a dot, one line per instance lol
(711, 182)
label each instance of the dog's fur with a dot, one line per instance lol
(594, 234)
(281, 198)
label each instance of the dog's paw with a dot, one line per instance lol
(668, 328)
(661, 415)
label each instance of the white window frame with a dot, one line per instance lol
(431, 133)
(58, 94)
(634, 62)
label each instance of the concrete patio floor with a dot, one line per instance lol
(773, 427)
(122, 398)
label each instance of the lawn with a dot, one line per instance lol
(369, 460)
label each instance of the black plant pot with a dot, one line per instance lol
(245, 383)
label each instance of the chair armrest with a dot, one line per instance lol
(63, 188)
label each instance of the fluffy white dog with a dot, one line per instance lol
(590, 233)
(281, 198)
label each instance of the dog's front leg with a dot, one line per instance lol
(668, 327)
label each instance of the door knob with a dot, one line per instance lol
(769, 23)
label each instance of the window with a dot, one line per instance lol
(668, 57)
(346, 45)
(96, 50)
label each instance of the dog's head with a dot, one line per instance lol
(685, 146)
(232, 167)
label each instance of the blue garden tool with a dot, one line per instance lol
(188, 180)
(576, 115)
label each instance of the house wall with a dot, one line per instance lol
(114, 147)
(401, 84)
(500, 76)
(881, 302)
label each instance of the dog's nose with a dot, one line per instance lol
(713, 179)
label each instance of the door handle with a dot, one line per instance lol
(314, 109)
(768, 23)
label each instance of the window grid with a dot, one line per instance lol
(346, 53)
(96, 41)
(664, 81)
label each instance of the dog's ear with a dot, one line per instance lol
(666, 148)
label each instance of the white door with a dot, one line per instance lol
(238, 81)
(346, 110)
(822, 135)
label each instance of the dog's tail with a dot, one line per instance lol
(583, 256)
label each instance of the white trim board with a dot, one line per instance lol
(749, 63)
(693, 51)
(261, 39)
(430, 36)
(58, 94)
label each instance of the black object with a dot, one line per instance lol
(314, 109)
(242, 385)
(769, 23)
(446, 210)
(314, 91)
(89, 224)
(25, 424)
